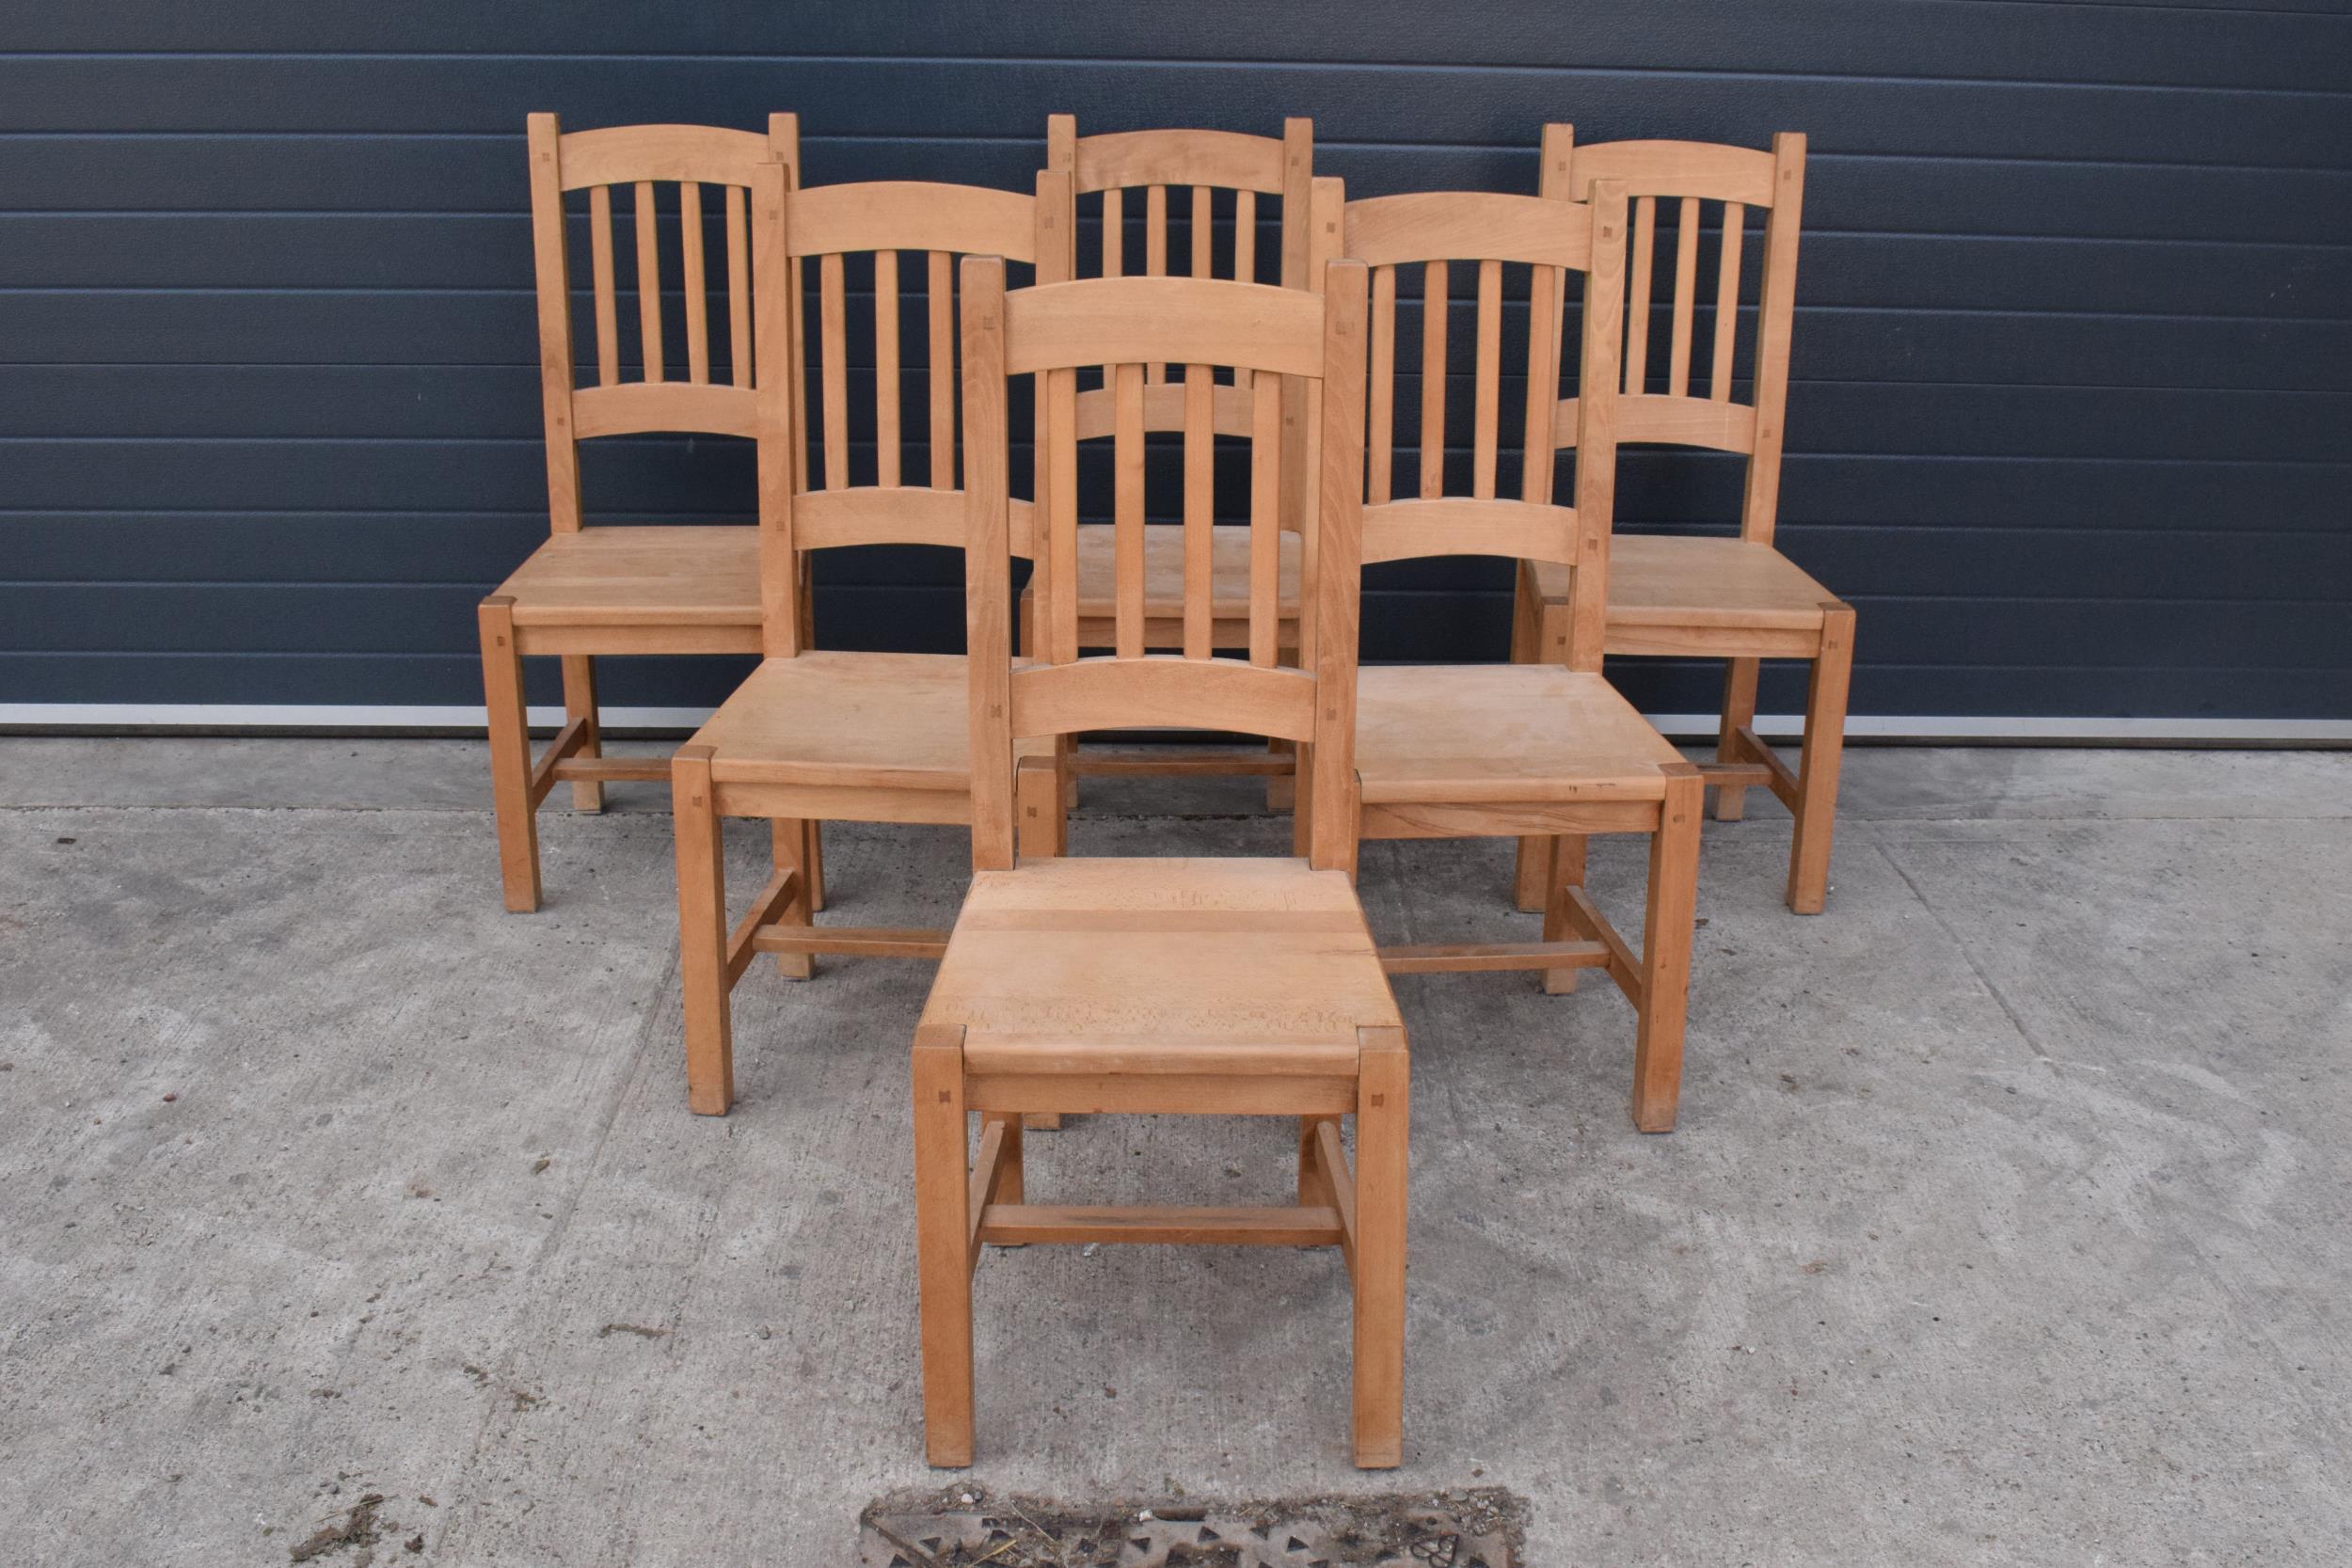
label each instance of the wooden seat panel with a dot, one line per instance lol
(1252, 966)
(640, 576)
(1471, 733)
(1679, 580)
(878, 721)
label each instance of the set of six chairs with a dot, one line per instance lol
(1226, 601)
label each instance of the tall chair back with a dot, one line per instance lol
(819, 502)
(1205, 162)
(1658, 404)
(713, 170)
(1549, 240)
(1126, 324)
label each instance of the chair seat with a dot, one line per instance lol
(1478, 733)
(879, 720)
(1680, 581)
(1174, 966)
(1163, 572)
(640, 576)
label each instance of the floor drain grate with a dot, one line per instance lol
(964, 1527)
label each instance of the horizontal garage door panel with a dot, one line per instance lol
(2073, 368)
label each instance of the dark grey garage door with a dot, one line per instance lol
(2073, 373)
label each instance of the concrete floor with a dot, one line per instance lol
(2010, 1220)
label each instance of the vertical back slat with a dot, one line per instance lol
(1382, 486)
(1265, 517)
(1199, 504)
(1543, 381)
(607, 301)
(941, 305)
(886, 367)
(1155, 231)
(1127, 509)
(833, 334)
(1060, 545)
(1637, 306)
(739, 288)
(1686, 298)
(1155, 251)
(1726, 301)
(690, 208)
(1246, 236)
(1203, 230)
(1490, 409)
(648, 282)
(1434, 300)
(1114, 234)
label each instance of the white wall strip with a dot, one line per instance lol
(202, 716)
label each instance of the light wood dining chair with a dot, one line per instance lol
(818, 736)
(1692, 597)
(1242, 986)
(1494, 751)
(1206, 165)
(614, 589)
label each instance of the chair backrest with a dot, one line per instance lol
(646, 157)
(1732, 180)
(1127, 323)
(1550, 239)
(1205, 162)
(876, 222)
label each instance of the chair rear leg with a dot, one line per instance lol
(943, 1246)
(814, 863)
(1045, 821)
(1539, 634)
(1383, 1106)
(791, 837)
(1666, 932)
(1531, 880)
(580, 702)
(510, 755)
(1817, 771)
(1567, 872)
(1731, 800)
(702, 909)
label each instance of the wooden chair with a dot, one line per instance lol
(611, 589)
(1223, 987)
(1494, 751)
(814, 735)
(1208, 164)
(1688, 596)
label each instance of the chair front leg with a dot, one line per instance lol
(1383, 1114)
(1731, 800)
(1666, 933)
(702, 909)
(510, 755)
(1817, 770)
(580, 702)
(942, 1238)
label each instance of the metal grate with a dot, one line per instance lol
(964, 1527)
